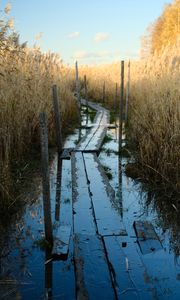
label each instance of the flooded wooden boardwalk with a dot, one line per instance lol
(109, 242)
(100, 238)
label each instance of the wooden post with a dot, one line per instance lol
(127, 93)
(78, 93)
(121, 106)
(104, 92)
(45, 176)
(57, 117)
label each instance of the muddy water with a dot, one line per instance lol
(25, 269)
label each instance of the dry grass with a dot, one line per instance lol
(154, 119)
(26, 78)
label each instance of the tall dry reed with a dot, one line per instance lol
(26, 79)
(154, 111)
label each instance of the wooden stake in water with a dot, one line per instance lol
(121, 106)
(78, 93)
(127, 93)
(45, 176)
(57, 117)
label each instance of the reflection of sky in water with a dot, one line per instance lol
(23, 271)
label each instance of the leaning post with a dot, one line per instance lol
(45, 177)
(121, 106)
(57, 118)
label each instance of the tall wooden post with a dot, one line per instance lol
(127, 92)
(45, 176)
(121, 106)
(78, 93)
(57, 118)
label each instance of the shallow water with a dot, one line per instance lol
(25, 272)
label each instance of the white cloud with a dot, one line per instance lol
(101, 36)
(91, 55)
(73, 35)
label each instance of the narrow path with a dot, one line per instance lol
(101, 265)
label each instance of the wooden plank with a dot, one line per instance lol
(130, 275)
(94, 138)
(90, 135)
(66, 194)
(147, 237)
(61, 242)
(82, 205)
(103, 197)
(109, 126)
(125, 287)
(92, 273)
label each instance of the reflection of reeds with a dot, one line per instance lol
(154, 119)
(167, 208)
(26, 78)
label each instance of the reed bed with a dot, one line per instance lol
(154, 111)
(26, 79)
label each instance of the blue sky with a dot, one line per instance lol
(93, 31)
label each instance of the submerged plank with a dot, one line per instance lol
(125, 287)
(94, 138)
(92, 273)
(107, 216)
(147, 237)
(64, 195)
(61, 242)
(82, 205)
(130, 275)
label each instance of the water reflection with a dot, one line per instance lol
(167, 207)
(120, 197)
(48, 275)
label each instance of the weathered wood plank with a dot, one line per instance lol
(125, 287)
(147, 237)
(103, 197)
(94, 138)
(130, 275)
(65, 194)
(82, 205)
(61, 242)
(92, 273)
